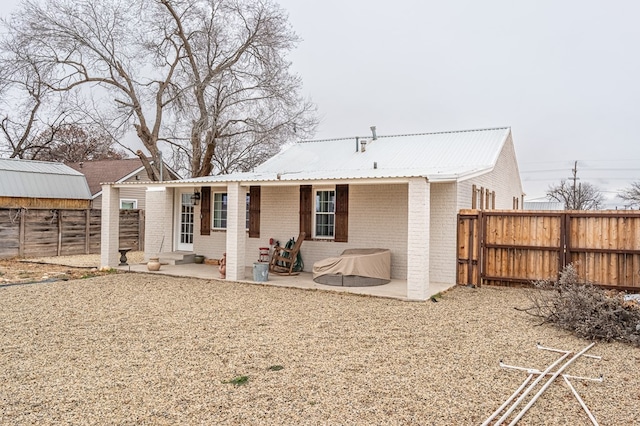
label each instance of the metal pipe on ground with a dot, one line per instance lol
(548, 383)
(584, 406)
(530, 388)
(508, 401)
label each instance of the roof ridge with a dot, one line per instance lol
(405, 134)
(33, 161)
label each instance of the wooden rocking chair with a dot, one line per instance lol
(283, 259)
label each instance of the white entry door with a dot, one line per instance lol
(185, 227)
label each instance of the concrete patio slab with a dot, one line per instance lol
(396, 289)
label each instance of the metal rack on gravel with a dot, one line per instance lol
(509, 406)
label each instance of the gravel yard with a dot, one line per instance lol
(149, 349)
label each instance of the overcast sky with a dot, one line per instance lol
(564, 75)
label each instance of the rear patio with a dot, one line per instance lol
(396, 289)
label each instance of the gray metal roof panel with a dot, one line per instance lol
(39, 179)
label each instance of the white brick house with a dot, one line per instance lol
(402, 193)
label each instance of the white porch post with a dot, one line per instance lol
(236, 230)
(159, 226)
(110, 227)
(418, 239)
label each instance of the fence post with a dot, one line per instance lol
(565, 249)
(87, 230)
(141, 229)
(482, 268)
(474, 197)
(59, 251)
(22, 232)
(470, 278)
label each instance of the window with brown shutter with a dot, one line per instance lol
(254, 212)
(341, 229)
(205, 210)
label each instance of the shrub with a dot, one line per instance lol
(585, 310)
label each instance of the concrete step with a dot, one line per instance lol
(177, 258)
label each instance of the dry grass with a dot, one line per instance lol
(143, 349)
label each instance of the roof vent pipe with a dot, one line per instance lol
(357, 144)
(373, 132)
(363, 146)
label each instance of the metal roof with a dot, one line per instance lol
(40, 179)
(543, 205)
(443, 156)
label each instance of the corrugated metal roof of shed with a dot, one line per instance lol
(40, 179)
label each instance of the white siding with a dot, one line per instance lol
(129, 193)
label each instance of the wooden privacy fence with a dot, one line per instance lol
(516, 247)
(57, 232)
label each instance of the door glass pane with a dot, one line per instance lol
(186, 220)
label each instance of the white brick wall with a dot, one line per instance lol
(377, 218)
(214, 245)
(504, 180)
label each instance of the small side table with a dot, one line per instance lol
(123, 255)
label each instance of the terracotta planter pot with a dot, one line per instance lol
(153, 264)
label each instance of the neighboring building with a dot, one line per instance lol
(127, 170)
(401, 193)
(41, 185)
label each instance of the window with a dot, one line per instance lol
(220, 211)
(127, 204)
(324, 213)
(247, 212)
(325, 208)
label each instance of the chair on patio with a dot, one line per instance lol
(284, 259)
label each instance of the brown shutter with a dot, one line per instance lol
(205, 210)
(254, 212)
(306, 205)
(342, 213)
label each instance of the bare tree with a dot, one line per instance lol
(576, 196)
(201, 77)
(631, 195)
(27, 107)
(72, 143)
